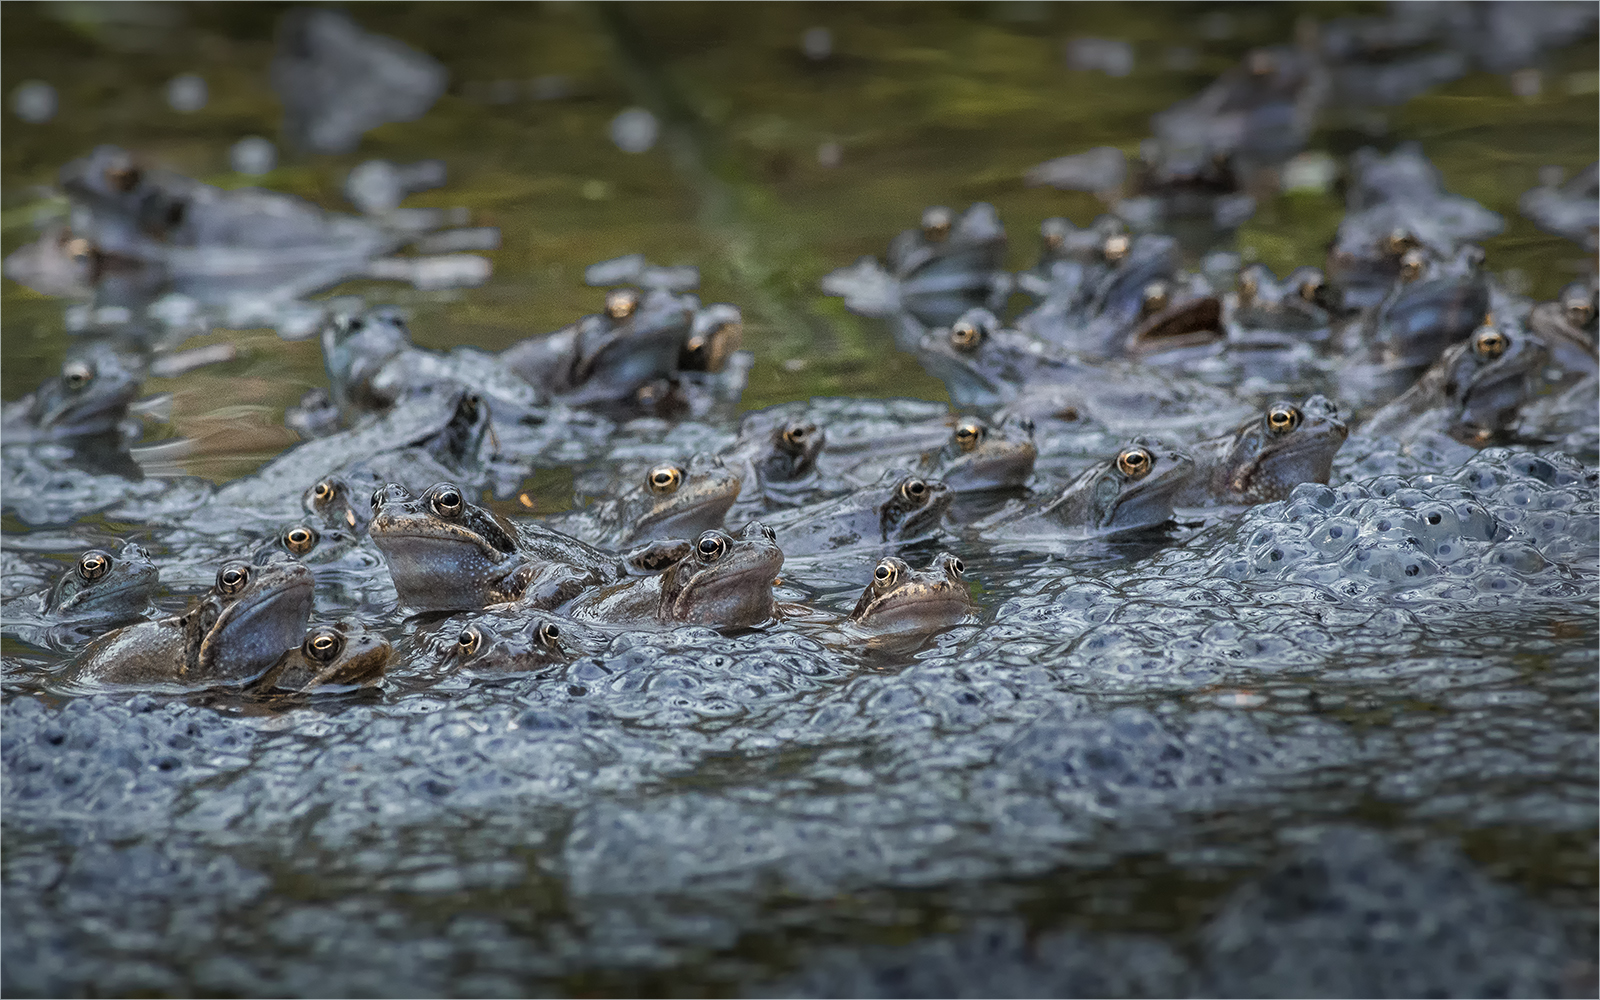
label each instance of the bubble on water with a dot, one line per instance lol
(253, 155)
(186, 93)
(635, 130)
(34, 101)
(817, 43)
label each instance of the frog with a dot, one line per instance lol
(1436, 303)
(307, 544)
(1073, 262)
(720, 580)
(775, 453)
(900, 507)
(1263, 312)
(334, 503)
(234, 634)
(715, 334)
(1130, 492)
(671, 500)
(1397, 204)
(1473, 392)
(900, 599)
(500, 645)
(445, 553)
(1266, 457)
(338, 657)
(1099, 325)
(1568, 325)
(983, 456)
(105, 587)
(605, 360)
(89, 397)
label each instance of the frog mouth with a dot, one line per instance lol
(420, 533)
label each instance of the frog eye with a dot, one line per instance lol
(1156, 295)
(1116, 247)
(323, 491)
(886, 573)
(664, 479)
(1249, 285)
(122, 179)
(968, 434)
(300, 539)
(1135, 463)
(772, 536)
(1398, 242)
(76, 374)
(1490, 344)
(1411, 265)
(1579, 311)
(550, 635)
(78, 248)
(1311, 288)
(936, 223)
(469, 641)
(621, 303)
(796, 434)
(94, 564)
(914, 489)
(446, 501)
(1053, 232)
(711, 546)
(1283, 419)
(232, 578)
(955, 567)
(966, 335)
(323, 645)
(377, 498)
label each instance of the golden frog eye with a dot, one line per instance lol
(797, 434)
(94, 564)
(621, 303)
(232, 578)
(1398, 242)
(300, 539)
(76, 374)
(914, 489)
(886, 573)
(1411, 265)
(469, 641)
(664, 479)
(323, 491)
(1156, 295)
(446, 501)
(936, 223)
(550, 635)
(1249, 285)
(323, 645)
(1490, 343)
(711, 546)
(968, 434)
(1311, 288)
(1579, 311)
(1283, 419)
(956, 567)
(1135, 463)
(1116, 247)
(78, 247)
(966, 335)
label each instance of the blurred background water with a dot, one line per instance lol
(797, 138)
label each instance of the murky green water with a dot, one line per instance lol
(929, 104)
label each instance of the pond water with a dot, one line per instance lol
(1189, 770)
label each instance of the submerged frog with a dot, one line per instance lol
(776, 453)
(90, 397)
(675, 499)
(236, 632)
(337, 505)
(1073, 262)
(106, 587)
(446, 554)
(983, 456)
(1473, 392)
(901, 507)
(497, 645)
(900, 599)
(1263, 312)
(1131, 491)
(720, 580)
(333, 657)
(307, 544)
(1267, 457)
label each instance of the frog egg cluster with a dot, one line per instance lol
(1505, 527)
